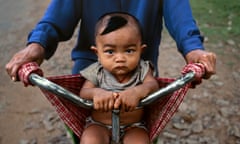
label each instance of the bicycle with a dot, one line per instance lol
(30, 73)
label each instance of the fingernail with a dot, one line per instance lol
(13, 79)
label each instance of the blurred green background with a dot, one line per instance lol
(218, 19)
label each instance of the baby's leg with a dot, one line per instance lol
(95, 134)
(136, 135)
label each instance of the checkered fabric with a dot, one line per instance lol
(158, 114)
(26, 69)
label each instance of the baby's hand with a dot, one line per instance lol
(128, 100)
(104, 101)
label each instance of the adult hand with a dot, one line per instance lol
(208, 59)
(32, 53)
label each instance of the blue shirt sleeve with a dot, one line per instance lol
(182, 26)
(58, 24)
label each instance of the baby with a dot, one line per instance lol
(119, 80)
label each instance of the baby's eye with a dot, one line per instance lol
(108, 51)
(130, 50)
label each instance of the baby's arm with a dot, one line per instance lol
(102, 100)
(130, 98)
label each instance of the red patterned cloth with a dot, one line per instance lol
(158, 114)
(199, 71)
(26, 69)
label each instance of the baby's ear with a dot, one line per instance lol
(94, 48)
(143, 46)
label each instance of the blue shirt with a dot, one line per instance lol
(62, 17)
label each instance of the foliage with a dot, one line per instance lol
(218, 19)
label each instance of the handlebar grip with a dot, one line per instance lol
(25, 71)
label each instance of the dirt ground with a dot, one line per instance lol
(209, 114)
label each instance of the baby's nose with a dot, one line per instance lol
(120, 58)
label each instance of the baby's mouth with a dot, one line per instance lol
(120, 67)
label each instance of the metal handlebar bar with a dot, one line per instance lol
(175, 85)
(61, 92)
(45, 84)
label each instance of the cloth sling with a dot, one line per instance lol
(157, 114)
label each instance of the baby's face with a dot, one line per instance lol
(119, 51)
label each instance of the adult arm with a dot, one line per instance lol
(183, 28)
(57, 24)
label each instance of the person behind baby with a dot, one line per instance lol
(119, 80)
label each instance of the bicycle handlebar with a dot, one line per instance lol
(60, 91)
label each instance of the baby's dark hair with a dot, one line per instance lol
(114, 21)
